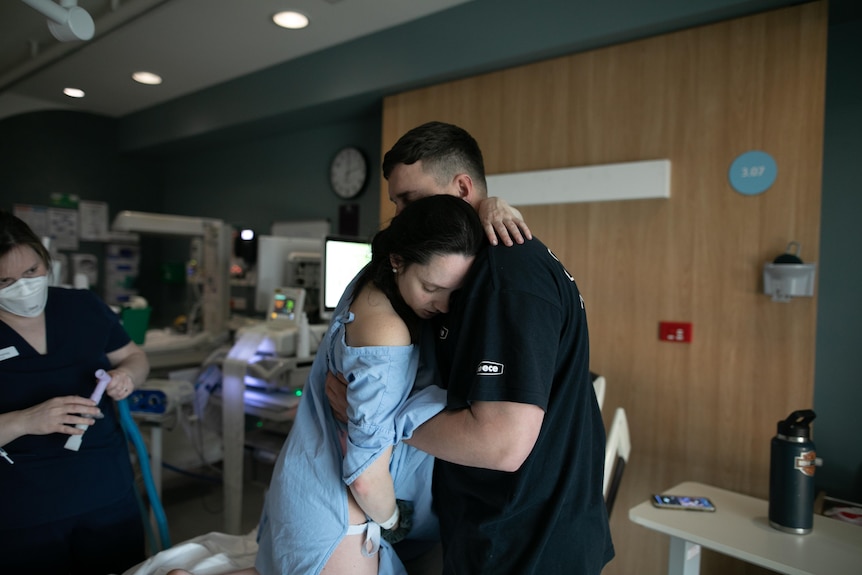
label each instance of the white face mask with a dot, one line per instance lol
(26, 297)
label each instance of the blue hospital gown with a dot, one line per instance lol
(305, 514)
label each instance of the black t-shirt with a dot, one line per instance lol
(517, 332)
(47, 482)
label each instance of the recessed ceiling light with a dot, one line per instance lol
(147, 78)
(291, 20)
(73, 92)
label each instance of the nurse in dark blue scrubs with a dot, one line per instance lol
(63, 511)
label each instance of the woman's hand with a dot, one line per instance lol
(58, 415)
(130, 366)
(121, 385)
(500, 219)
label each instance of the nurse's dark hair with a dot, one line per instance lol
(432, 226)
(445, 151)
(15, 232)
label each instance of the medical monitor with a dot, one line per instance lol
(286, 262)
(285, 307)
(343, 257)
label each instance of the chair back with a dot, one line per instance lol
(599, 385)
(617, 450)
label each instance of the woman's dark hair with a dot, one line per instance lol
(432, 226)
(15, 232)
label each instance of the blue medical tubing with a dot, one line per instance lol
(148, 526)
(134, 435)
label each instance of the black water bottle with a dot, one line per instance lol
(791, 474)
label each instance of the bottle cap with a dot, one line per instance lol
(797, 424)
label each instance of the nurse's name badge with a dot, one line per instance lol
(8, 352)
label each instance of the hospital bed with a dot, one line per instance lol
(211, 554)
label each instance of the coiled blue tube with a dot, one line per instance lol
(134, 435)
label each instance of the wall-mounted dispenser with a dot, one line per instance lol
(787, 276)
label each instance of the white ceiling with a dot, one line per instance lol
(199, 44)
(192, 44)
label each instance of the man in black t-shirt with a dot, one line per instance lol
(520, 448)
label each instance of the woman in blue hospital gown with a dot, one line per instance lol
(335, 486)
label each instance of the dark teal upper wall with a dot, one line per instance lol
(838, 378)
(74, 153)
(282, 177)
(42, 153)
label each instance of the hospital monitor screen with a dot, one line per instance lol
(343, 257)
(285, 307)
(281, 262)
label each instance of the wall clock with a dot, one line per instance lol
(348, 172)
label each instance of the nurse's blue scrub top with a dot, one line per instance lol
(47, 481)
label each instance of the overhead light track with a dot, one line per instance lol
(121, 13)
(67, 21)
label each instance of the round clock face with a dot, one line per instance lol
(348, 172)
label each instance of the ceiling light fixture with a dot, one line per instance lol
(73, 92)
(147, 78)
(291, 20)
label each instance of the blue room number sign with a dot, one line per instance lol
(752, 173)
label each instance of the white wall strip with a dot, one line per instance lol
(608, 182)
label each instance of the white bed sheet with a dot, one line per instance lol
(211, 554)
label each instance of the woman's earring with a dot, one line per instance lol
(395, 270)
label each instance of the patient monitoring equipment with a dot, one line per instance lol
(287, 322)
(283, 306)
(186, 349)
(284, 261)
(269, 363)
(265, 369)
(160, 396)
(281, 360)
(263, 374)
(343, 257)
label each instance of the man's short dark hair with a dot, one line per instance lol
(445, 151)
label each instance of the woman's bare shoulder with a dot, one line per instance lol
(375, 321)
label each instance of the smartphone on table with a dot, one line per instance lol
(683, 502)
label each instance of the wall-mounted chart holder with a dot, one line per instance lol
(787, 276)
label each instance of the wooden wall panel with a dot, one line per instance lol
(707, 410)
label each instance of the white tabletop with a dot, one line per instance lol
(739, 527)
